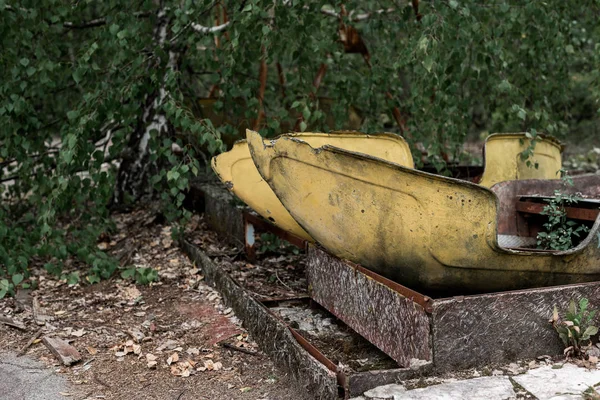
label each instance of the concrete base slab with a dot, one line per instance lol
(22, 378)
(552, 383)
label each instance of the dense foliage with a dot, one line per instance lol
(102, 103)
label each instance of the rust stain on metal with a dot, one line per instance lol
(424, 301)
(313, 351)
(397, 325)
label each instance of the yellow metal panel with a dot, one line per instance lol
(236, 169)
(422, 230)
(503, 158)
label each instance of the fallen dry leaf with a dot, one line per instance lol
(78, 333)
(91, 350)
(173, 358)
(182, 369)
(137, 349)
(136, 334)
(131, 292)
(193, 351)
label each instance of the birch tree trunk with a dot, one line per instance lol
(137, 166)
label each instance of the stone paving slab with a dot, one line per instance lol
(549, 382)
(22, 378)
(552, 383)
(486, 388)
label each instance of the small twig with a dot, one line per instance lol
(280, 281)
(98, 380)
(241, 350)
(29, 343)
(89, 361)
(180, 394)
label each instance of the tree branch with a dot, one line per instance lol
(88, 24)
(210, 29)
(98, 21)
(358, 17)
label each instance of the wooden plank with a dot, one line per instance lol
(12, 322)
(584, 214)
(39, 315)
(65, 353)
(395, 324)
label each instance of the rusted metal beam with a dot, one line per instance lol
(422, 300)
(259, 223)
(371, 305)
(584, 214)
(316, 353)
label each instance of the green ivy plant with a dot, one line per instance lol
(105, 104)
(559, 232)
(142, 276)
(576, 328)
(271, 243)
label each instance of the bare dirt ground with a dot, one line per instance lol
(173, 339)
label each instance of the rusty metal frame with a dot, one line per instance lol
(253, 222)
(357, 297)
(424, 301)
(314, 352)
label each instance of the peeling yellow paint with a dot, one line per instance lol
(419, 229)
(503, 158)
(236, 169)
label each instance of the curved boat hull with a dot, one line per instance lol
(237, 171)
(425, 231)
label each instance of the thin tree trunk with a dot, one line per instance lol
(136, 167)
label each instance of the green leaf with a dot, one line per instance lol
(113, 29)
(428, 63)
(590, 331)
(72, 114)
(17, 278)
(128, 273)
(24, 61)
(172, 175)
(4, 288)
(77, 75)
(504, 86)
